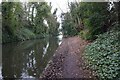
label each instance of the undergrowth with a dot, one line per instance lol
(103, 55)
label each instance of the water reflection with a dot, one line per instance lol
(60, 37)
(0, 61)
(27, 59)
(45, 49)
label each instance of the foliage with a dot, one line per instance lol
(90, 19)
(11, 20)
(54, 25)
(0, 25)
(68, 25)
(103, 55)
(23, 21)
(86, 34)
(94, 17)
(25, 33)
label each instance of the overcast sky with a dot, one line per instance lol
(60, 5)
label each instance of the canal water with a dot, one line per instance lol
(27, 59)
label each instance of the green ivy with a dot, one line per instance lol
(103, 55)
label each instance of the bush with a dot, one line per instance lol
(24, 34)
(68, 26)
(103, 55)
(86, 34)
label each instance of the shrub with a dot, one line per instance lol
(25, 33)
(85, 34)
(103, 55)
(94, 17)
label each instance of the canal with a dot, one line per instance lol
(27, 59)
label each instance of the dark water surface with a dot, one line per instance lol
(27, 59)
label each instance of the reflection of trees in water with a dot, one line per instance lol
(26, 59)
(9, 68)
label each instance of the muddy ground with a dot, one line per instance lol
(68, 61)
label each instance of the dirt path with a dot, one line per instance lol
(67, 61)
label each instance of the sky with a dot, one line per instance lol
(61, 5)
